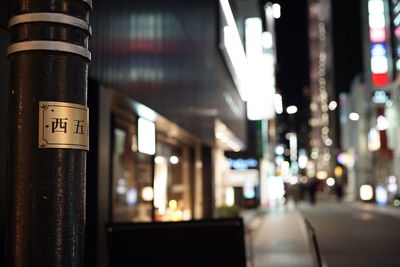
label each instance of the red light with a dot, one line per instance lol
(379, 79)
(377, 35)
(397, 31)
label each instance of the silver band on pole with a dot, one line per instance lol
(50, 17)
(50, 46)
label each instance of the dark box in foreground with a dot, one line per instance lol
(190, 244)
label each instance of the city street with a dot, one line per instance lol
(350, 235)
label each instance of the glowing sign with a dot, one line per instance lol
(379, 64)
(377, 21)
(249, 190)
(261, 79)
(234, 49)
(242, 164)
(378, 50)
(397, 31)
(146, 136)
(377, 34)
(380, 97)
(380, 79)
(375, 6)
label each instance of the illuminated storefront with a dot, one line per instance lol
(172, 182)
(131, 175)
(152, 169)
(243, 181)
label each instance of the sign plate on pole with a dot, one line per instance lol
(63, 125)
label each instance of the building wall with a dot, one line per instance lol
(322, 121)
(4, 41)
(355, 137)
(164, 54)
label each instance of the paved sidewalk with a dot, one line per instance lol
(278, 238)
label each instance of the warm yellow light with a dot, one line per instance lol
(177, 216)
(322, 175)
(159, 160)
(304, 179)
(366, 192)
(230, 196)
(285, 167)
(173, 204)
(338, 171)
(147, 193)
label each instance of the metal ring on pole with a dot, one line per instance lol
(50, 46)
(87, 2)
(50, 17)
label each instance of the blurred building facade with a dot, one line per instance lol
(322, 136)
(355, 157)
(161, 79)
(370, 112)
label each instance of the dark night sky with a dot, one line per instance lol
(292, 51)
(293, 69)
(292, 47)
(346, 21)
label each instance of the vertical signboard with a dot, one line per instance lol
(395, 10)
(379, 42)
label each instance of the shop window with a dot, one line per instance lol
(172, 186)
(132, 171)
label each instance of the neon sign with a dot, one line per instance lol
(242, 164)
(378, 38)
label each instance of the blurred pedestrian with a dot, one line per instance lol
(312, 190)
(302, 191)
(286, 193)
(338, 189)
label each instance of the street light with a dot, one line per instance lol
(354, 116)
(291, 109)
(278, 104)
(332, 105)
(276, 11)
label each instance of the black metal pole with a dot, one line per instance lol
(49, 60)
